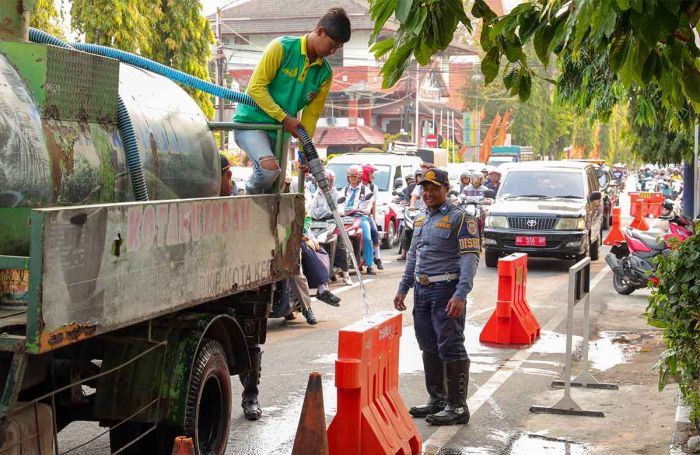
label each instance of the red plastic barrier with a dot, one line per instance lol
(645, 195)
(513, 321)
(371, 417)
(183, 446)
(654, 205)
(638, 222)
(615, 235)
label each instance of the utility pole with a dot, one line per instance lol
(417, 125)
(220, 65)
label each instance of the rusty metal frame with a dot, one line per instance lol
(10, 393)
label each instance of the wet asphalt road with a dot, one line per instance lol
(504, 382)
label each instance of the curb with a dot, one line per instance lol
(682, 429)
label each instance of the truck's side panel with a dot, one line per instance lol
(109, 266)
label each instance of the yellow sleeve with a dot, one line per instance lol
(313, 110)
(262, 76)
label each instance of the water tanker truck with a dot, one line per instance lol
(129, 290)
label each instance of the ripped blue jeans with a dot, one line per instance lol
(259, 146)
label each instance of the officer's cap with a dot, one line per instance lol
(436, 177)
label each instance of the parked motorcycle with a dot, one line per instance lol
(631, 260)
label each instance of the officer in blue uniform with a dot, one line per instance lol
(441, 263)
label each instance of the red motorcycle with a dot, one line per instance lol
(631, 260)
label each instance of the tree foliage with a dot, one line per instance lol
(603, 48)
(172, 32)
(124, 24)
(182, 41)
(46, 17)
(675, 307)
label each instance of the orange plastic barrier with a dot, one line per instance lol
(654, 198)
(311, 433)
(638, 222)
(615, 235)
(654, 205)
(513, 321)
(371, 417)
(183, 446)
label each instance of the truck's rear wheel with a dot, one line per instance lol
(208, 409)
(491, 258)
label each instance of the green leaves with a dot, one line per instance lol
(425, 28)
(628, 45)
(380, 11)
(675, 307)
(489, 66)
(403, 9)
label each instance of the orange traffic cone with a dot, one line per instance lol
(639, 222)
(311, 437)
(615, 235)
(183, 446)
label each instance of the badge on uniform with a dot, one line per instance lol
(472, 227)
(469, 236)
(419, 222)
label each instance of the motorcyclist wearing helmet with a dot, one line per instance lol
(475, 190)
(368, 180)
(359, 202)
(318, 205)
(493, 180)
(464, 180)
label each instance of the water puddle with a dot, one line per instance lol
(528, 444)
(274, 433)
(609, 350)
(503, 442)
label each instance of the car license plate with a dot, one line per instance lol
(318, 225)
(348, 220)
(530, 241)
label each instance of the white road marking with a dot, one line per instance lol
(477, 313)
(443, 434)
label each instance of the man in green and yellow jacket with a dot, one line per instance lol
(292, 75)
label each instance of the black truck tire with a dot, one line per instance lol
(208, 408)
(491, 258)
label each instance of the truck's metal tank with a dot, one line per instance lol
(53, 153)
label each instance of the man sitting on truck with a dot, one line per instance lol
(293, 75)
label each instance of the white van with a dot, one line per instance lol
(390, 166)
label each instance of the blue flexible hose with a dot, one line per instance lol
(189, 81)
(124, 124)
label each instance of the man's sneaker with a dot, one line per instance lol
(378, 262)
(347, 281)
(370, 271)
(309, 315)
(329, 298)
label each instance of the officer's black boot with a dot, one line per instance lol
(435, 383)
(250, 381)
(456, 410)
